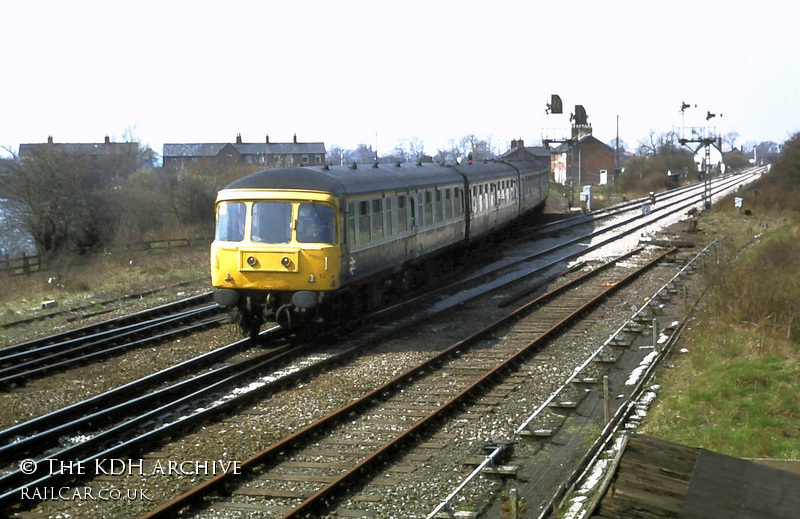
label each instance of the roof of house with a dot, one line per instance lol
(536, 151)
(260, 148)
(566, 146)
(99, 148)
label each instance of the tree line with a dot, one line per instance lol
(68, 202)
(413, 150)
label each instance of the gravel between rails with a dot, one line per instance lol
(425, 480)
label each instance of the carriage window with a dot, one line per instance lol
(272, 222)
(388, 216)
(351, 224)
(230, 221)
(459, 200)
(377, 219)
(474, 200)
(428, 208)
(364, 232)
(316, 223)
(402, 214)
(448, 204)
(439, 213)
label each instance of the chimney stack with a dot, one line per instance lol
(49, 139)
(108, 140)
(238, 138)
(295, 138)
(267, 138)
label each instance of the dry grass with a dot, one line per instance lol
(73, 280)
(735, 392)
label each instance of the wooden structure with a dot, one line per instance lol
(658, 479)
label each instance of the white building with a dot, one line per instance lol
(715, 158)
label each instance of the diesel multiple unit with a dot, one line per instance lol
(291, 243)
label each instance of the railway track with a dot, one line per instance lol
(90, 310)
(288, 480)
(24, 362)
(134, 449)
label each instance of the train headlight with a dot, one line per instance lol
(251, 260)
(285, 261)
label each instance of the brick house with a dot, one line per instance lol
(583, 160)
(266, 154)
(519, 151)
(113, 159)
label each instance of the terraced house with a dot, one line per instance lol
(266, 154)
(115, 160)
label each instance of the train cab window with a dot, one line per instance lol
(272, 222)
(377, 219)
(402, 214)
(428, 208)
(364, 231)
(351, 224)
(230, 221)
(316, 223)
(448, 205)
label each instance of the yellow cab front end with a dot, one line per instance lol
(274, 250)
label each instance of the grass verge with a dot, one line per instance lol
(735, 391)
(73, 281)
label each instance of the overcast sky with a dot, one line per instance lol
(348, 72)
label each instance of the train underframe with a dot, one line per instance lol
(252, 309)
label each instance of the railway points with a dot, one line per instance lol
(450, 330)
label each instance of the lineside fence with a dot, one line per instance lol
(27, 264)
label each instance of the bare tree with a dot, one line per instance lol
(415, 148)
(730, 139)
(363, 154)
(479, 148)
(62, 196)
(335, 155)
(655, 142)
(146, 158)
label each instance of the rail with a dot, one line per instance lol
(444, 505)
